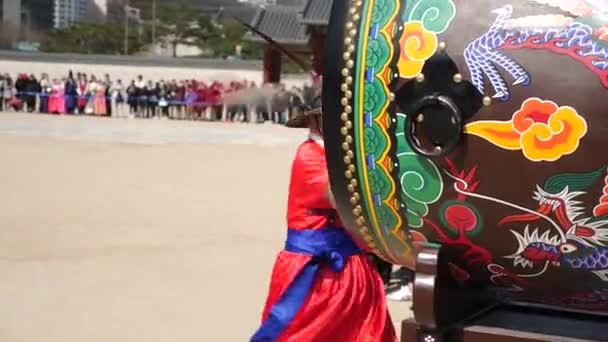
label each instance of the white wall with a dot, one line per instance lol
(181, 50)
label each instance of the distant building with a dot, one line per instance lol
(243, 10)
(37, 15)
(24, 21)
(10, 22)
(9, 9)
(115, 10)
(68, 12)
(107, 10)
(10, 12)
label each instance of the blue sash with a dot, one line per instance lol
(328, 245)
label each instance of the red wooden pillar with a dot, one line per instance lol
(317, 44)
(272, 65)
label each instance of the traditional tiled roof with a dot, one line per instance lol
(298, 5)
(282, 23)
(316, 12)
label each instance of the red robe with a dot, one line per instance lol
(348, 306)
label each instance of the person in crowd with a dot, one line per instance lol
(140, 83)
(202, 100)
(280, 104)
(83, 94)
(171, 98)
(163, 103)
(398, 284)
(20, 88)
(152, 99)
(295, 102)
(117, 98)
(11, 88)
(100, 107)
(232, 108)
(14, 92)
(52, 98)
(142, 96)
(215, 96)
(61, 95)
(97, 102)
(265, 108)
(2, 90)
(261, 107)
(132, 99)
(180, 97)
(43, 98)
(31, 89)
(243, 107)
(20, 84)
(107, 83)
(6, 91)
(71, 94)
(209, 91)
(405, 281)
(190, 100)
(16, 104)
(56, 103)
(90, 95)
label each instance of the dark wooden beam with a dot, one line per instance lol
(317, 45)
(272, 65)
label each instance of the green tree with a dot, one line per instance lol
(92, 38)
(225, 43)
(180, 24)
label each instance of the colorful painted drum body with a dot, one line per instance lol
(478, 125)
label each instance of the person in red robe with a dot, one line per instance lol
(323, 286)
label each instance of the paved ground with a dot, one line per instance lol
(146, 131)
(133, 230)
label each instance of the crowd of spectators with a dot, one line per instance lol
(82, 94)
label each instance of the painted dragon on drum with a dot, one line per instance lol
(582, 36)
(572, 239)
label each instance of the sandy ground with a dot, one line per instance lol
(132, 230)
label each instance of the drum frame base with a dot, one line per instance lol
(490, 328)
(445, 311)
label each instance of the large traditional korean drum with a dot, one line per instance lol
(478, 125)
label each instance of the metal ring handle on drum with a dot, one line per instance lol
(434, 100)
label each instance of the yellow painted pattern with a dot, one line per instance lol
(541, 129)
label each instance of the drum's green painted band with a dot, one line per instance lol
(360, 67)
(359, 87)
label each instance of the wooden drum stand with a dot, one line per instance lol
(445, 311)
